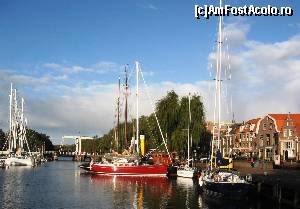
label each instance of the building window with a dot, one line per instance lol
(288, 145)
(275, 137)
(268, 141)
(264, 126)
(290, 132)
(284, 133)
(261, 140)
(269, 153)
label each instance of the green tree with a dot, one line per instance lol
(36, 140)
(167, 111)
(2, 140)
(173, 116)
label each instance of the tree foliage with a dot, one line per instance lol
(2, 140)
(173, 116)
(36, 140)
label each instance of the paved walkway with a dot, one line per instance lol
(287, 177)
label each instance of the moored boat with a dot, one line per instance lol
(223, 183)
(17, 137)
(187, 172)
(19, 161)
(129, 169)
(216, 182)
(136, 163)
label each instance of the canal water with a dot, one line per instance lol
(61, 184)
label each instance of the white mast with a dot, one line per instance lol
(219, 76)
(10, 119)
(15, 122)
(217, 105)
(137, 107)
(23, 126)
(189, 129)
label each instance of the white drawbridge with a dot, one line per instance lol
(77, 142)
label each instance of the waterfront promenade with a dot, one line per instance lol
(281, 185)
(288, 176)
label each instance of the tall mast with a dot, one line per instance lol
(118, 115)
(219, 75)
(189, 129)
(15, 123)
(10, 118)
(137, 107)
(126, 104)
(217, 104)
(21, 139)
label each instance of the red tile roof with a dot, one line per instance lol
(280, 119)
(249, 122)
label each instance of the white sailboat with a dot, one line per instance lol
(17, 141)
(215, 181)
(187, 171)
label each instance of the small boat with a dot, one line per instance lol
(86, 166)
(187, 172)
(19, 160)
(224, 183)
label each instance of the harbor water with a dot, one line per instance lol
(61, 184)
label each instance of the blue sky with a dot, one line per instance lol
(58, 49)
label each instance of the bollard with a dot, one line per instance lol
(296, 198)
(258, 187)
(279, 194)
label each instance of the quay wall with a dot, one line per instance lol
(282, 184)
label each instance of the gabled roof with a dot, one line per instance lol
(280, 120)
(296, 120)
(246, 125)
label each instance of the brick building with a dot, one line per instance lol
(273, 134)
(244, 139)
(278, 134)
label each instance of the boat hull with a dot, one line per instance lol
(186, 173)
(226, 190)
(130, 170)
(19, 161)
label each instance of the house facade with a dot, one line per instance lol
(289, 137)
(273, 134)
(245, 135)
(267, 138)
(278, 134)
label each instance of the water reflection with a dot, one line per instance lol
(135, 192)
(62, 185)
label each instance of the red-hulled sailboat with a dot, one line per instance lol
(123, 166)
(129, 169)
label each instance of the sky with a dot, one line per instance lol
(65, 57)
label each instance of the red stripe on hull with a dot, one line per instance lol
(149, 170)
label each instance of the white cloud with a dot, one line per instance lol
(265, 76)
(22, 79)
(88, 109)
(265, 79)
(148, 6)
(100, 68)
